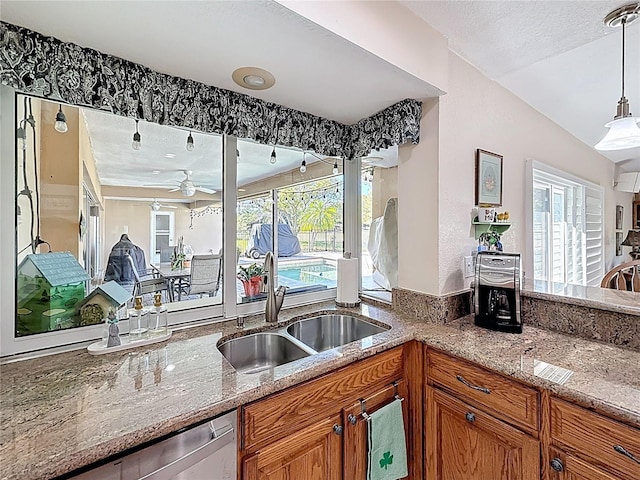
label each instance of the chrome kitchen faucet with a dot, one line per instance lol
(274, 297)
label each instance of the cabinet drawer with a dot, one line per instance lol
(506, 398)
(296, 407)
(602, 441)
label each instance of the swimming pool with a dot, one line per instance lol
(313, 274)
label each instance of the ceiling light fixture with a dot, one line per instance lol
(136, 145)
(623, 130)
(335, 170)
(272, 160)
(253, 78)
(61, 122)
(189, 143)
(303, 165)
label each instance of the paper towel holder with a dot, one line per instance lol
(347, 304)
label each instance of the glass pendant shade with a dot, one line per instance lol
(623, 133)
(61, 122)
(190, 145)
(303, 166)
(272, 160)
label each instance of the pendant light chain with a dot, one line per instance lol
(624, 22)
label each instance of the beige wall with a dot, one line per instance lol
(479, 113)
(60, 182)
(418, 219)
(134, 218)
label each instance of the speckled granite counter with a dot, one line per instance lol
(61, 412)
(578, 295)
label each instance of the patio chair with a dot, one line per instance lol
(206, 273)
(149, 282)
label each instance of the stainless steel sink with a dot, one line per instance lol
(260, 351)
(330, 331)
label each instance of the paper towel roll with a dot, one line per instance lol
(347, 291)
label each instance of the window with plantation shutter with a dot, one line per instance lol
(568, 228)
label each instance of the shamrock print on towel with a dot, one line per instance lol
(386, 460)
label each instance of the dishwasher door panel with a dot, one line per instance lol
(205, 452)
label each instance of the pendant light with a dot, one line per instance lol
(61, 121)
(190, 145)
(303, 165)
(136, 145)
(272, 160)
(623, 130)
(335, 168)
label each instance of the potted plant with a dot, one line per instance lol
(251, 278)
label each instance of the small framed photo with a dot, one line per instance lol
(488, 179)
(619, 213)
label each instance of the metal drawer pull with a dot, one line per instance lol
(352, 419)
(462, 380)
(337, 429)
(557, 465)
(623, 451)
(470, 417)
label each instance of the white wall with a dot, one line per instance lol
(479, 113)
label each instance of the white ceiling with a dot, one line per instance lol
(558, 56)
(316, 71)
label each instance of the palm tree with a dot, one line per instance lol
(319, 216)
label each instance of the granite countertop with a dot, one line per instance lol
(593, 297)
(64, 411)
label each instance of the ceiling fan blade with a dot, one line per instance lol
(205, 190)
(174, 190)
(168, 206)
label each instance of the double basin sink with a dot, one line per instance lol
(260, 351)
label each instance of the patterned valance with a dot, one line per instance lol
(48, 67)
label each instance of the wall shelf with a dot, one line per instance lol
(497, 227)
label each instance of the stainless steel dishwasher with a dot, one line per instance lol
(207, 451)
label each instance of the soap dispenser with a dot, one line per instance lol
(158, 317)
(138, 321)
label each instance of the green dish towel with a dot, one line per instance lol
(387, 444)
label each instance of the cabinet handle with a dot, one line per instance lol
(557, 465)
(337, 429)
(464, 381)
(470, 417)
(352, 419)
(625, 452)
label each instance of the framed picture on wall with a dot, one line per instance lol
(619, 212)
(488, 179)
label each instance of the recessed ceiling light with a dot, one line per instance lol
(156, 172)
(253, 78)
(169, 155)
(242, 189)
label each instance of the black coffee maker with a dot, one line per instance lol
(497, 291)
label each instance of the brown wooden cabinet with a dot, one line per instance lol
(594, 442)
(355, 430)
(314, 453)
(568, 467)
(316, 430)
(463, 442)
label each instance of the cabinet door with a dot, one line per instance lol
(568, 467)
(355, 434)
(314, 453)
(465, 443)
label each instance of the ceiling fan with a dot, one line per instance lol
(188, 188)
(155, 205)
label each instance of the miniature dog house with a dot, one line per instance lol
(50, 288)
(98, 303)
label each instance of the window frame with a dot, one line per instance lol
(63, 340)
(589, 189)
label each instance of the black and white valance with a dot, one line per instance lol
(48, 67)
